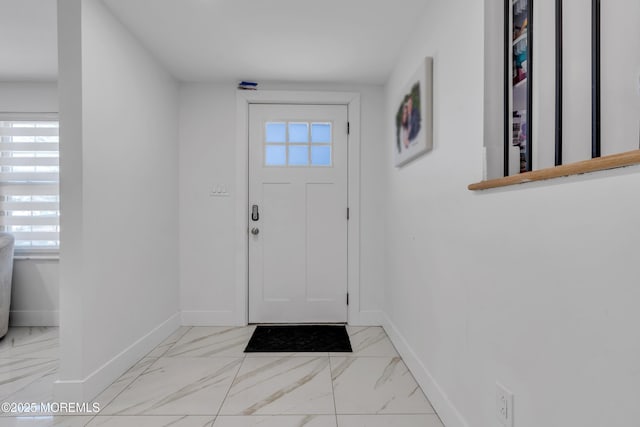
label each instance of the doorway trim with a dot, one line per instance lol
(243, 100)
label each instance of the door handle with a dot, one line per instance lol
(255, 215)
(255, 231)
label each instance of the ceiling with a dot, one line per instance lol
(283, 40)
(340, 41)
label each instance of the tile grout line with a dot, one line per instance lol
(244, 358)
(333, 390)
(139, 375)
(125, 388)
(163, 355)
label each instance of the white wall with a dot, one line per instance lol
(576, 45)
(28, 97)
(207, 236)
(534, 286)
(119, 213)
(207, 233)
(494, 90)
(34, 298)
(544, 87)
(35, 292)
(620, 44)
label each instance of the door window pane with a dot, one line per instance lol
(321, 155)
(275, 155)
(298, 132)
(276, 132)
(321, 132)
(298, 155)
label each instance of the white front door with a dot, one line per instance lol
(297, 213)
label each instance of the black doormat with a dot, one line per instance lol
(299, 338)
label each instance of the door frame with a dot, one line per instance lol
(243, 100)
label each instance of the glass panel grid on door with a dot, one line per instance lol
(298, 144)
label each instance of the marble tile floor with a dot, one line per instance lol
(200, 377)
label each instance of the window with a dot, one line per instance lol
(29, 197)
(297, 144)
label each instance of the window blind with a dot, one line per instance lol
(29, 177)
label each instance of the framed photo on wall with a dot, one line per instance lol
(414, 116)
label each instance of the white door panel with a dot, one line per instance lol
(298, 180)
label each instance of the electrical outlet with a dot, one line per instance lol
(504, 405)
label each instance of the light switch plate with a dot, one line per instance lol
(219, 190)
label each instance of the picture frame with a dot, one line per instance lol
(413, 119)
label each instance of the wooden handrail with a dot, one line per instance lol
(592, 165)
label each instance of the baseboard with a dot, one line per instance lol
(366, 318)
(86, 389)
(34, 318)
(448, 413)
(208, 318)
